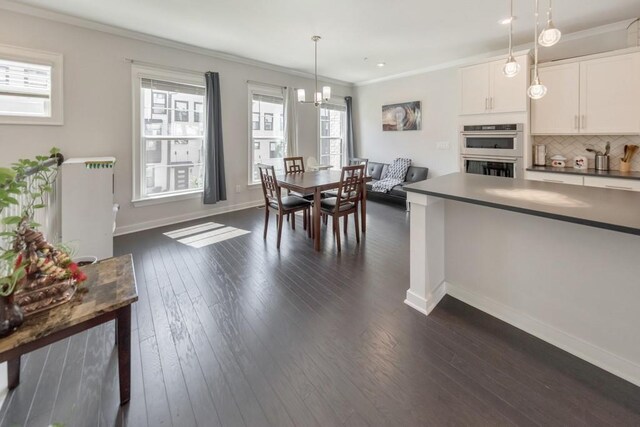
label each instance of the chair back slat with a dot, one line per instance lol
(293, 165)
(350, 184)
(270, 187)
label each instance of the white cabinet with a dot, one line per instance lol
(614, 183)
(610, 95)
(596, 96)
(485, 89)
(557, 178)
(558, 111)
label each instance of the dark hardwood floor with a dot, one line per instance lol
(239, 334)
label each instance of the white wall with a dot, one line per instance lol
(98, 117)
(438, 92)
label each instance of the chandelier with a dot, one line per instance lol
(319, 97)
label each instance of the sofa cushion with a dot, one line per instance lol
(398, 191)
(376, 170)
(416, 173)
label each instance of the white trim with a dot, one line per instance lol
(169, 198)
(33, 56)
(118, 31)
(499, 54)
(147, 225)
(426, 305)
(574, 345)
(608, 54)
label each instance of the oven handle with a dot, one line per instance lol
(492, 159)
(490, 135)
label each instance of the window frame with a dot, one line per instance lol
(268, 90)
(337, 103)
(176, 111)
(56, 62)
(266, 122)
(138, 72)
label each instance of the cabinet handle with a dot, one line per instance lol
(491, 103)
(576, 122)
(618, 188)
(584, 121)
(486, 104)
(553, 180)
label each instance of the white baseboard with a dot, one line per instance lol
(127, 229)
(426, 305)
(610, 362)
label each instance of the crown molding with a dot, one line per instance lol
(37, 12)
(498, 54)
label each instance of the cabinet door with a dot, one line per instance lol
(508, 94)
(555, 178)
(558, 111)
(474, 86)
(610, 95)
(613, 183)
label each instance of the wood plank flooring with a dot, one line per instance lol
(239, 334)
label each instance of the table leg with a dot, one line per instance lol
(316, 219)
(363, 207)
(123, 332)
(13, 373)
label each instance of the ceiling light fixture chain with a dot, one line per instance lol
(511, 68)
(318, 97)
(537, 90)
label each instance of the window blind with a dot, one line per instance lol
(172, 87)
(25, 80)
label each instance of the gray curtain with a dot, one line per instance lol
(214, 182)
(351, 151)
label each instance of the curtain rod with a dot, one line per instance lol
(165, 67)
(265, 84)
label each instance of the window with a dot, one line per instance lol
(281, 122)
(332, 135)
(267, 144)
(168, 148)
(197, 112)
(30, 86)
(268, 121)
(181, 111)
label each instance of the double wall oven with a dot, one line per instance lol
(493, 150)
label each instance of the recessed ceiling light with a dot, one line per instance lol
(380, 64)
(507, 20)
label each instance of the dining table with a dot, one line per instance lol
(316, 182)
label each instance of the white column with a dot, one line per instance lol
(426, 252)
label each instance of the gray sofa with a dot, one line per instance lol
(397, 194)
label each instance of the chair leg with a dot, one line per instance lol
(280, 219)
(288, 217)
(336, 230)
(304, 219)
(293, 221)
(356, 221)
(309, 223)
(346, 221)
(266, 222)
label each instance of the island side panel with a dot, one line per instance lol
(574, 286)
(426, 252)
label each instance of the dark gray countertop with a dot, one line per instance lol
(586, 172)
(617, 210)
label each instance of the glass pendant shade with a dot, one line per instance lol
(301, 95)
(537, 90)
(326, 92)
(511, 68)
(549, 36)
(318, 98)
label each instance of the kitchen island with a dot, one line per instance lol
(561, 262)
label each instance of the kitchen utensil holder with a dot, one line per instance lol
(602, 163)
(625, 166)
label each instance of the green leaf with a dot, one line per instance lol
(11, 220)
(7, 234)
(40, 206)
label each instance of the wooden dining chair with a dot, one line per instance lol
(354, 161)
(273, 200)
(296, 165)
(346, 201)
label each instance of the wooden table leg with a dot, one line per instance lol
(363, 207)
(13, 373)
(316, 219)
(123, 331)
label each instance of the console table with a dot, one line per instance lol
(111, 289)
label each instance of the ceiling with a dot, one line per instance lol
(406, 35)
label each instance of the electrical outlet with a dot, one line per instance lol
(443, 145)
(238, 188)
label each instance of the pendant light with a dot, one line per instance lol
(318, 97)
(550, 35)
(511, 68)
(537, 90)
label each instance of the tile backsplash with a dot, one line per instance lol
(571, 146)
